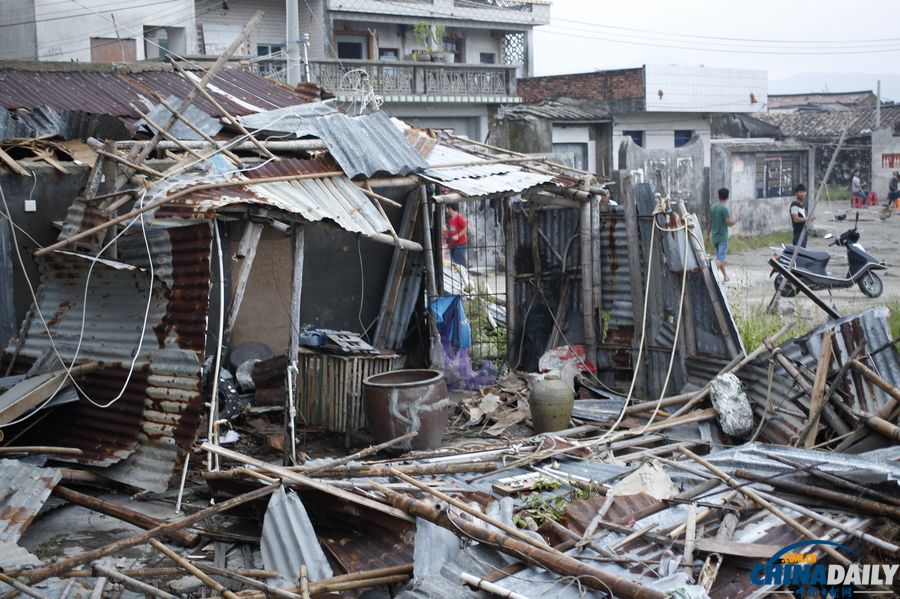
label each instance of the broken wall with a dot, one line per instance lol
(683, 174)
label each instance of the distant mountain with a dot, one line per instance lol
(837, 82)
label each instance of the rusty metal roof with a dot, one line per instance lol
(23, 490)
(336, 199)
(158, 413)
(109, 89)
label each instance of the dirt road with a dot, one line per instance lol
(751, 287)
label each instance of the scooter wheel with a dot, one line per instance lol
(871, 285)
(788, 291)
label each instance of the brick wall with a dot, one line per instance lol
(601, 86)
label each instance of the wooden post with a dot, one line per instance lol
(597, 263)
(818, 390)
(290, 408)
(194, 570)
(429, 249)
(636, 274)
(247, 253)
(587, 282)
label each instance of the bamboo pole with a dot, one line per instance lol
(864, 505)
(41, 449)
(172, 571)
(97, 147)
(22, 588)
(380, 198)
(411, 469)
(881, 426)
(321, 586)
(66, 564)
(546, 557)
(236, 575)
(490, 587)
(194, 570)
(200, 86)
(832, 523)
(837, 480)
(757, 498)
(181, 143)
(143, 587)
(362, 453)
(182, 537)
(304, 582)
(171, 198)
(150, 122)
(363, 583)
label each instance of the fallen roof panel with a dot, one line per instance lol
(472, 179)
(24, 487)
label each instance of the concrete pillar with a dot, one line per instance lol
(294, 69)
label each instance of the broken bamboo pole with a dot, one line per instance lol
(375, 470)
(200, 86)
(22, 588)
(837, 480)
(147, 589)
(312, 483)
(361, 454)
(881, 426)
(832, 523)
(864, 505)
(304, 582)
(155, 126)
(64, 565)
(193, 570)
(364, 583)
(182, 537)
(875, 379)
(378, 197)
(490, 587)
(171, 198)
(320, 586)
(545, 557)
(758, 499)
(713, 562)
(235, 159)
(171, 571)
(884, 411)
(97, 146)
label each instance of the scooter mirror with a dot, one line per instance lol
(829, 236)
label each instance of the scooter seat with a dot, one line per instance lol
(809, 254)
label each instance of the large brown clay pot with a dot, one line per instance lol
(401, 401)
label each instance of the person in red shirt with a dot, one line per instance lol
(457, 234)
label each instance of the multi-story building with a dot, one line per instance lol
(95, 30)
(436, 63)
(658, 107)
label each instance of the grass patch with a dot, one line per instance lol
(757, 323)
(738, 244)
(837, 194)
(894, 319)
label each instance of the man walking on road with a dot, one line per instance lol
(798, 216)
(719, 221)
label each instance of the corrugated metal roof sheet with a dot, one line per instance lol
(554, 111)
(334, 198)
(289, 119)
(289, 541)
(158, 413)
(476, 180)
(365, 145)
(109, 89)
(159, 114)
(23, 490)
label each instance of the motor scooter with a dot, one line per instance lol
(810, 266)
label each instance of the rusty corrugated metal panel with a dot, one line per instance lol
(334, 198)
(158, 412)
(80, 217)
(110, 89)
(25, 488)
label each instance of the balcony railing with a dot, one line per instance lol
(421, 79)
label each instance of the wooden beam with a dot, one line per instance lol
(247, 253)
(818, 390)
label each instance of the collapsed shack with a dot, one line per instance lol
(119, 368)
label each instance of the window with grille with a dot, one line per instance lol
(777, 175)
(636, 136)
(514, 49)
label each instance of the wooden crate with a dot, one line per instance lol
(329, 388)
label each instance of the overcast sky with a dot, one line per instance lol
(804, 45)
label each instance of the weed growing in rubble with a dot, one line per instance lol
(756, 323)
(894, 319)
(540, 509)
(738, 244)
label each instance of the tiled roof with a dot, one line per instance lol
(830, 123)
(861, 98)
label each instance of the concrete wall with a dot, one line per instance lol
(659, 130)
(532, 136)
(682, 169)
(885, 160)
(64, 32)
(220, 23)
(580, 134)
(673, 88)
(18, 42)
(736, 169)
(472, 15)
(470, 120)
